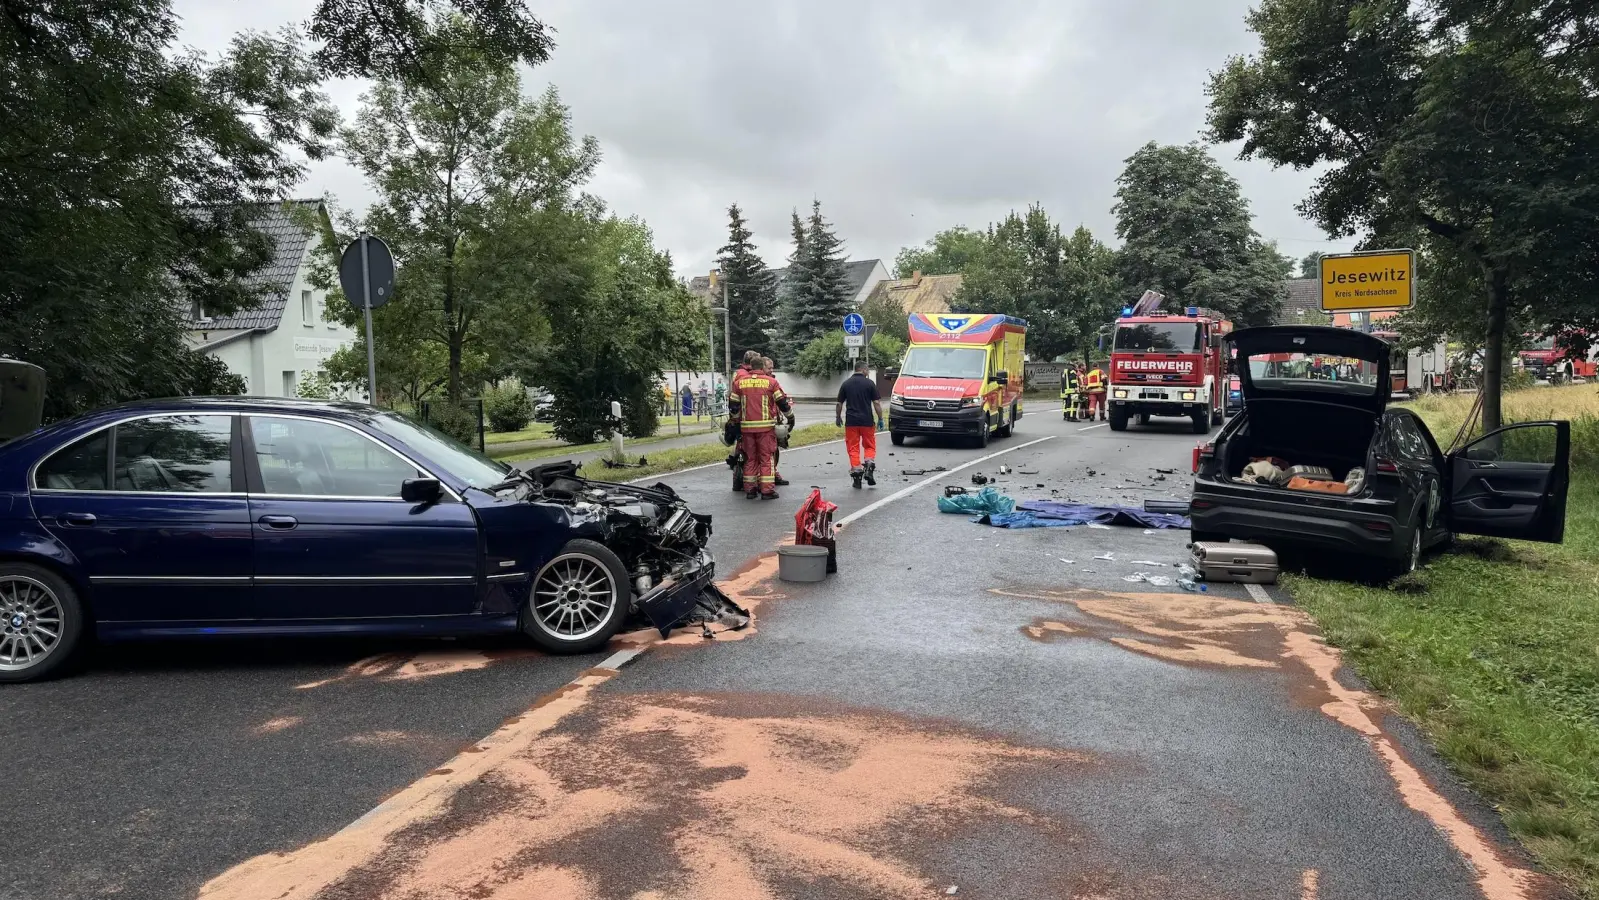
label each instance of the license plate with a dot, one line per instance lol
(929, 423)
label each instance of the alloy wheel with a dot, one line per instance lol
(573, 597)
(30, 622)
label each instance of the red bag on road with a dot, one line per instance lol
(813, 525)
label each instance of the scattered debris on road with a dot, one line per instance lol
(933, 471)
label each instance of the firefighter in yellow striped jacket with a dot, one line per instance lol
(757, 401)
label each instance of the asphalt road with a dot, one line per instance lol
(961, 706)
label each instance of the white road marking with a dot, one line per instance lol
(904, 492)
(621, 658)
(1092, 427)
(1258, 593)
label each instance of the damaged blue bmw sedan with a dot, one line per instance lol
(268, 517)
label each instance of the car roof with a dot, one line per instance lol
(343, 409)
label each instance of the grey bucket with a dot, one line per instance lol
(802, 563)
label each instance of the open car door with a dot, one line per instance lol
(1511, 483)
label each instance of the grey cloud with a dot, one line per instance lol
(902, 116)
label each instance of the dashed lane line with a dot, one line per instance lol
(905, 492)
(1258, 593)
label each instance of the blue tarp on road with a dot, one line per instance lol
(987, 500)
(1057, 514)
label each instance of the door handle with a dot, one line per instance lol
(81, 520)
(281, 523)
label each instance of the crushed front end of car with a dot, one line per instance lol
(663, 544)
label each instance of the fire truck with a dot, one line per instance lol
(1550, 359)
(1168, 364)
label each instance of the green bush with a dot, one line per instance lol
(826, 356)
(506, 406)
(459, 422)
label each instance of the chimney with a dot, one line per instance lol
(916, 278)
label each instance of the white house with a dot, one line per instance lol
(285, 337)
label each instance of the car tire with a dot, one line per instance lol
(984, 435)
(1218, 417)
(1118, 418)
(1143, 418)
(1006, 429)
(558, 615)
(1201, 421)
(31, 597)
(896, 438)
(1411, 561)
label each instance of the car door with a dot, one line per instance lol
(333, 538)
(1512, 483)
(1409, 448)
(154, 510)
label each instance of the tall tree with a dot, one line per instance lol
(751, 288)
(399, 39)
(458, 161)
(1025, 267)
(946, 253)
(1310, 266)
(1467, 130)
(818, 302)
(129, 174)
(1186, 231)
(618, 318)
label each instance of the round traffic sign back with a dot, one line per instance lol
(380, 271)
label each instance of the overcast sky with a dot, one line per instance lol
(902, 116)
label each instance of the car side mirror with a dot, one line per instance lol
(421, 490)
(1002, 378)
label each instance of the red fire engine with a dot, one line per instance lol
(1168, 364)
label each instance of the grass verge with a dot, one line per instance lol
(568, 449)
(1494, 651)
(536, 431)
(701, 454)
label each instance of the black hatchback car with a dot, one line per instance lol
(1317, 397)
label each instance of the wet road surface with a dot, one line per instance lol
(961, 706)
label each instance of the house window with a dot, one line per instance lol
(197, 312)
(289, 383)
(307, 309)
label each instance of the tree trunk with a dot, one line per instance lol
(1493, 386)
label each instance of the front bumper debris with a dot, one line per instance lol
(691, 597)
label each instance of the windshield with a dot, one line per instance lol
(945, 362)
(455, 458)
(1171, 337)
(1284, 370)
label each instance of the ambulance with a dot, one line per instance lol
(961, 378)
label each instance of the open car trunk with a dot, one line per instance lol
(1301, 433)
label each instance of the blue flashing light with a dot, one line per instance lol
(1193, 311)
(1127, 312)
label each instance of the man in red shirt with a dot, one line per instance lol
(757, 400)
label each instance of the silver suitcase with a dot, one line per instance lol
(1235, 562)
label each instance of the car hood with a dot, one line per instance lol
(913, 388)
(1312, 340)
(21, 398)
